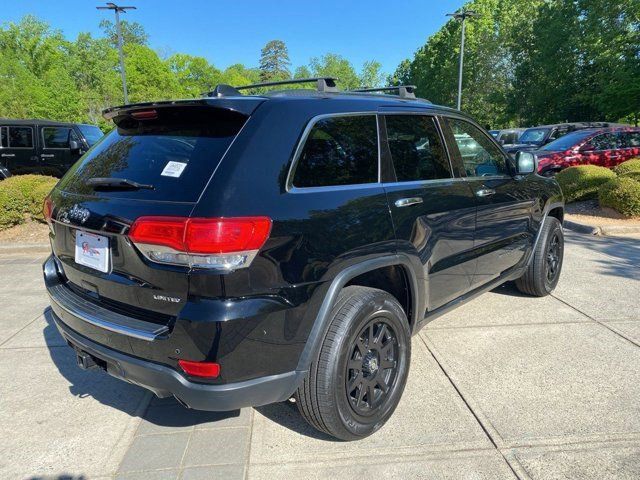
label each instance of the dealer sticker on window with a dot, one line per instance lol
(173, 169)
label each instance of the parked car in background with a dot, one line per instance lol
(536, 137)
(43, 146)
(509, 136)
(606, 147)
(236, 250)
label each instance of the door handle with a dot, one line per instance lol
(8, 155)
(485, 192)
(407, 202)
(44, 155)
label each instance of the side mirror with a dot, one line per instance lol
(73, 146)
(526, 163)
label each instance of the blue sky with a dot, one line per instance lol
(234, 32)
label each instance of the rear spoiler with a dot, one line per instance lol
(243, 105)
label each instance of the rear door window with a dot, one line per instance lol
(20, 137)
(416, 148)
(339, 151)
(176, 151)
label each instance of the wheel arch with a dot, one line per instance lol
(350, 276)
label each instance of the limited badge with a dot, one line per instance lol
(173, 169)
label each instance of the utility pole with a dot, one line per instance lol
(462, 16)
(118, 10)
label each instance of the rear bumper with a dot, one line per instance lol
(164, 381)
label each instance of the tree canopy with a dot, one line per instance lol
(45, 75)
(533, 62)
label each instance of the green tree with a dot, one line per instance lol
(194, 74)
(274, 62)
(132, 32)
(371, 75)
(333, 65)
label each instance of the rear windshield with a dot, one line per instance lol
(176, 152)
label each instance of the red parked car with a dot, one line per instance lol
(606, 147)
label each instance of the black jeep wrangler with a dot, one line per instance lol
(240, 250)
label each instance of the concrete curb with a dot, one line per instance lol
(581, 228)
(13, 248)
(604, 230)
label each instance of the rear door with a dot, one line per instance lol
(55, 154)
(175, 151)
(18, 152)
(433, 212)
(605, 150)
(505, 208)
(629, 142)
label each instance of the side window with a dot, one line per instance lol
(629, 139)
(339, 151)
(20, 137)
(56, 137)
(4, 137)
(480, 156)
(606, 141)
(416, 148)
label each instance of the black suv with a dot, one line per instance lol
(238, 250)
(43, 146)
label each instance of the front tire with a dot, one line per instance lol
(543, 272)
(355, 384)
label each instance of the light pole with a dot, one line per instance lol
(117, 10)
(462, 16)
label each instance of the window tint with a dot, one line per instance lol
(20, 137)
(91, 134)
(176, 153)
(339, 151)
(480, 156)
(56, 137)
(509, 138)
(630, 139)
(4, 137)
(606, 141)
(416, 149)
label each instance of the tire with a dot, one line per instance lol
(368, 344)
(543, 272)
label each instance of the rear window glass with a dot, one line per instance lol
(20, 137)
(176, 153)
(339, 151)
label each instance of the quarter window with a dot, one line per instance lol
(480, 156)
(630, 139)
(339, 151)
(416, 149)
(56, 137)
(20, 137)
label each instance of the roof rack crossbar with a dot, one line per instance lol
(404, 91)
(324, 84)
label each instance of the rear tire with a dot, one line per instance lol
(543, 272)
(356, 382)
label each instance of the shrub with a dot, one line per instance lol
(629, 166)
(23, 195)
(12, 205)
(623, 195)
(582, 182)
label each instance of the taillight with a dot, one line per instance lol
(200, 369)
(47, 211)
(223, 243)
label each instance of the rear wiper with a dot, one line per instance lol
(107, 183)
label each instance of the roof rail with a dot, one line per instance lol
(323, 84)
(404, 91)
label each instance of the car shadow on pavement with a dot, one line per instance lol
(624, 254)
(287, 415)
(117, 393)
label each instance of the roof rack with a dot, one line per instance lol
(404, 91)
(323, 84)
